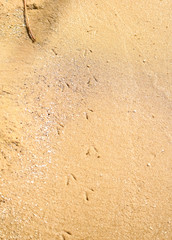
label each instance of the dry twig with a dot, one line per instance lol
(27, 23)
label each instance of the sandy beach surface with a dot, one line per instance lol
(86, 120)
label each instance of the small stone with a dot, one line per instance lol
(148, 164)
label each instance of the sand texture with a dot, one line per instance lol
(86, 120)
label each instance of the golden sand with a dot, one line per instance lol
(86, 119)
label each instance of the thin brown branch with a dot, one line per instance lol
(29, 31)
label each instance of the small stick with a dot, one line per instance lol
(27, 23)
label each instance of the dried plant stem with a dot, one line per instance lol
(27, 23)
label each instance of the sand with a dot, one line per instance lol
(86, 120)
